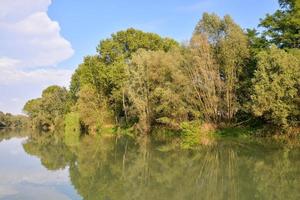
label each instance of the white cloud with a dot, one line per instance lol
(31, 47)
(40, 76)
(13, 10)
(34, 39)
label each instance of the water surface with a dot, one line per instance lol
(44, 166)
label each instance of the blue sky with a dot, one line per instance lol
(43, 41)
(85, 23)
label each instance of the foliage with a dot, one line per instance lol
(190, 134)
(283, 27)
(49, 109)
(73, 129)
(8, 120)
(276, 87)
(92, 109)
(107, 72)
(156, 88)
(231, 51)
(204, 78)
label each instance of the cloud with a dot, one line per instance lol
(16, 10)
(39, 76)
(31, 47)
(18, 86)
(34, 40)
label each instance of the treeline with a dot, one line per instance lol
(223, 76)
(8, 120)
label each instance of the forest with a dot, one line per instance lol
(223, 80)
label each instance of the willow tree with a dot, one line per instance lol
(231, 51)
(156, 87)
(204, 77)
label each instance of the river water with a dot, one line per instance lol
(44, 166)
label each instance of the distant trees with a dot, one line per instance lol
(48, 111)
(8, 120)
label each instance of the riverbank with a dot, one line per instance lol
(193, 134)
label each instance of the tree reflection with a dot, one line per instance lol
(50, 148)
(112, 168)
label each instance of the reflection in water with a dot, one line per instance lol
(50, 148)
(119, 168)
(23, 177)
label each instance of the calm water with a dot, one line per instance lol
(42, 166)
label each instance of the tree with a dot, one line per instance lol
(116, 53)
(283, 27)
(156, 89)
(123, 44)
(93, 72)
(234, 53)
(50, 109)
(276, 87)
(204, 77)
(92, 109)
(7, 120)
(231, 50)
(108, 70)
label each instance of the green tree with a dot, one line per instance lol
(276, 87)
(92, 109)
(156, 88)
(92, 71)
(231, 50)
(108, 70)
(8, 120)
(50, 109)
(202, 70)
(283, 27)
(116, 53)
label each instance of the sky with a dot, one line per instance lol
(43, 41)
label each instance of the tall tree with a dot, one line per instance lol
(231, 50)
(204, 77)
(156, 88)
(283, 27)
(108, 70)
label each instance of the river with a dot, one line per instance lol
(43, 166)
